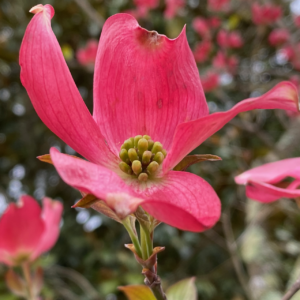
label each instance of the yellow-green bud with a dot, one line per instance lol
(136, 140)
(152, 168)
(150, 144)
(157, 147)
(132, 154)
(143, 177)
(127, 144)
(142, 146)
(125, 168)
(124, 155)
(136, 167)
(158, 157)
(147, 137)
(164, 152)
(146, 157)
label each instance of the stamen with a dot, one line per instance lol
(141, 157)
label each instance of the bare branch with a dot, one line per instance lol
(90, 11)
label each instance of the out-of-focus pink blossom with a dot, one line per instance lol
(201, 26)
(279, 36)
(265, 14)
(292, 54)
(297, 21)
(214, 22)
(218, 5)
(86, 56)
(172, 7)
(222, 62)
(266, 183)
(26, 231)
(143, 7)
(202, 51)
(229, 39)
(210, 81)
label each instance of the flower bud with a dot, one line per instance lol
(157, 147)
(136, 140)
(146, 157)
(147, 137)
(142, 146)
(143, 177)
(158, 157)
(150, 144)
(124, 155)
(132, 154)
(127, 144)
(136, 167)
(152, 168)
(125, 168)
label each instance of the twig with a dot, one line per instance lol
(90, 11)
(152, 280)
(292, 291)
(232, 247)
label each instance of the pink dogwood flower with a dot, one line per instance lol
(265, 14)
(145, 85)
(218, 5)
(202, 51)
(143, 6)
(210, 81)
(172, 7)
(26, 231)
(279, 36)
(266, 183)
(227, 39)
(201, 26)
(87, 56)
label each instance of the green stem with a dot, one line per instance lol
(133, 237)
(144, 246)
(27, 276)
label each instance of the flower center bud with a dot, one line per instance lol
(141, 157)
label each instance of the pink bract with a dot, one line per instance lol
(265, 183)
(27, 231)
(144, 83)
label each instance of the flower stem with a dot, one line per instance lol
(134, 238)
(27, 276)
(146, 242)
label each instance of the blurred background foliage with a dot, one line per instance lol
(252, 252)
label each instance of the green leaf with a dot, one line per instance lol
(137, 292)
(193, 159)
(183, 290)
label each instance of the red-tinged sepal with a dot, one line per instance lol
(15, 283)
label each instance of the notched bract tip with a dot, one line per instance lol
(36, 9)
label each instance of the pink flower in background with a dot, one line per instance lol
(297, 21)
(202, 51)
(265, 14)
(279, 36)
(172, 7)
(222, 62)
(218, 5)
(144, 85)
(214, 22)
(87, 56)
(201, 26)
(143, 6)
(235, 40)
(267, 182)
(210, 81)
(227, 39)
(26, 231)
